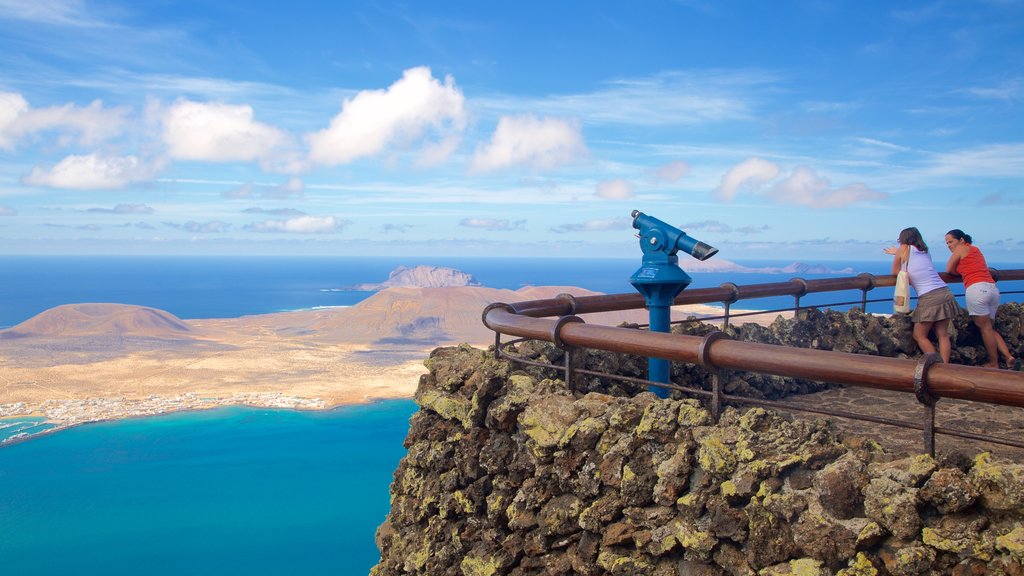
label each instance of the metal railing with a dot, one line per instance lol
(556, 320)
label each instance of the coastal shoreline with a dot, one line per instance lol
(307, 360)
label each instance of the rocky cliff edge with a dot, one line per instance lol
(507, 473)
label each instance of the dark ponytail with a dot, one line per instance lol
(958, 234)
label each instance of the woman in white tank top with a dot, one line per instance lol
(935, 302)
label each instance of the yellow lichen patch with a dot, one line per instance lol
(807, 567)
(627, 474)
(446, 406)
(1012, 543)
(471, 566)
(587, 425)
(697, 541)
(940, 541)
(465, 504)
(859, 566)
(692, 414)
(715, 457)
(728, 488)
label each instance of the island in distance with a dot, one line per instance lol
(85, 362)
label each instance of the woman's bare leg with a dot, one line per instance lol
(988, 337)
(921, 330)
(942, 335)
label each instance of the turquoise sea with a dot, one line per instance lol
(238, 491)
(227, 491)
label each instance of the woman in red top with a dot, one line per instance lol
(981, 295)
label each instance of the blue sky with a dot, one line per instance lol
(784, 130)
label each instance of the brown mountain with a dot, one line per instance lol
(122, 320)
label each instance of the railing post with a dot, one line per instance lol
(704, 359)
(570, 369)
(864, 291)
(497, 345)
(556, 338)
(803, 291)
(926, 399)
(732, 298)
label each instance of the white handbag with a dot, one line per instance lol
(901, 298)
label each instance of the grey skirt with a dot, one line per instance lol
(938, 304)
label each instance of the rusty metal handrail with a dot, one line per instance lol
(926, 379)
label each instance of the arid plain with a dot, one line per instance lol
(85, 362)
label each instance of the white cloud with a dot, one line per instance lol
(91, 172)
(217, 132)
(596, 225)
(85, 126)
(493, 224)
(750, 173)
(615, 190)
(806, 188)
(400, 116)
(300, 225)
(12, 106)
(672, 171)
(541, 143)
(802, 187)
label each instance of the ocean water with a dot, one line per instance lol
(226, 491)
(228, 287)
(242, 490)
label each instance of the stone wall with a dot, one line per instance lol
(508, 472)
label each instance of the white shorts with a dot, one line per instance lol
(982, 299)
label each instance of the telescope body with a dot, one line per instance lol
(660, 279)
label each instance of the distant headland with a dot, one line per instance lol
(422, 277)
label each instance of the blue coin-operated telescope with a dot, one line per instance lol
(660, 279)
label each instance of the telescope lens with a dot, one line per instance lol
(702, 251)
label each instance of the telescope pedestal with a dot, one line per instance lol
(660, 280)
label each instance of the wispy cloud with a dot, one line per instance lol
(596, 225)
(274, 211)
(615, 190)
(1001, 199)
(300, 225)
(493, 225)
(400, 228)
(209, 227)
(7, 211)
(70, 13)
(1009, 90)
(672, 171)
(85, 126)
(994, 161)
(292, 188)
(718, 227)
(124, 209)
(670, 98)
